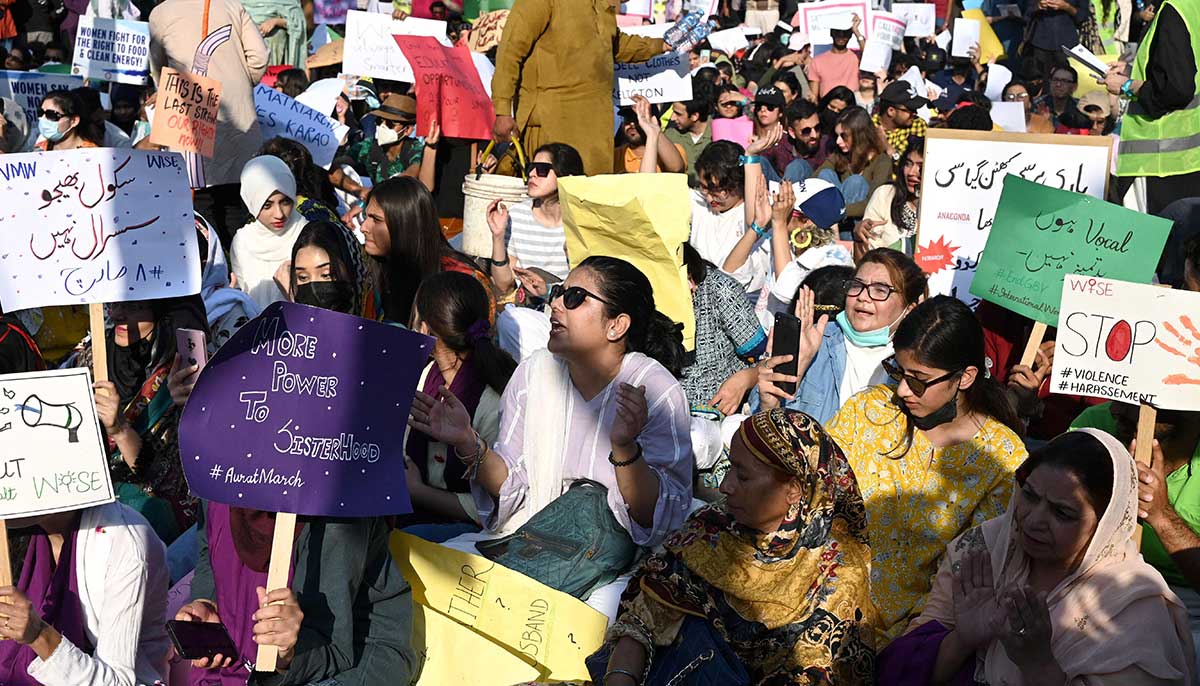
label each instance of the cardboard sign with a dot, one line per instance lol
(920, 18)
(52, 452)
(990, 47)
(637, 8)
(93, 226)
(737, 130)
(961, 184)
(545, 629)
(816, 18)
(876, 56)
(648, 30)
(112, 50)
(279, 115)
(1128, 342)
(185, 112)
(666, 78)
(448, 89)
(728, 41)
(27, 88)
(371, 50)
(314, 398)
(641, 218)
(966, 36)
(1042, 234)
(887, 28)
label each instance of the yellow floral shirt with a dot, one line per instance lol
(918, 503)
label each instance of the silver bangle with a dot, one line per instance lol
(623, 672)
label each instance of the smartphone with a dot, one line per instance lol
(785, 340)
(201, 640)
(705, 55)
(192, 347)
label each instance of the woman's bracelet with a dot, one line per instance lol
(636, 456)
(480, 449)
(622, 672)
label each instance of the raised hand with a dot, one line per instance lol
(631, 417)
(978, 616)
(443, 418)
(812, 334)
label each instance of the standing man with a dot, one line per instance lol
(1160, 134)
(554, 76)
(839, 66)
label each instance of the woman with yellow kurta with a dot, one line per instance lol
(934, 455)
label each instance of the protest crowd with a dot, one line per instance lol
(733, 342)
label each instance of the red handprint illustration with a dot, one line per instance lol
(1190, 344)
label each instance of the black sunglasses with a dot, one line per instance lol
(765, 106)
(574, 296)
(50, 115)
(917, 386)
(807, 130)
(542, 169)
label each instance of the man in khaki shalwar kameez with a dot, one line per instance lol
(554, 72)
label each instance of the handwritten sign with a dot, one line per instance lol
(93, 226)
(52, 454)
(448, 89)
(279, 115)
(920, 18)
(112, 50)
(371, 50)
(185, 112)
(1042, 234)
(815, 18)
(27, 88)
(315, 419)
(550, 630)
(666, 78)
(1128, 342)
(961, 184)
(887, 27)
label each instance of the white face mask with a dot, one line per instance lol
(385, 135)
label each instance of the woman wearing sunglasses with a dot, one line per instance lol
(934, 451)
(601, 402)
(64, 123)
(859, 162)
(836, 359)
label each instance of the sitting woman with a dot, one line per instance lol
(136, 411)
(890, 220)
(600, 403)
(261, 248)
(835, 362)
(859, 162)
(792, 529)
(349, 620)
(89, 604)
(934, 454)
(1053, 591)
(453, 308)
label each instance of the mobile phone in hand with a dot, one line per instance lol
(785, 340)
(201, 640)
(191, 347)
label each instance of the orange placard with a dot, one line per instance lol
(185, 112)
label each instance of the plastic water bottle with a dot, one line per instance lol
(678, 33)
(697, 35)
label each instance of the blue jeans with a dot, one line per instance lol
(440, 533)
(854, 188)
(798, 170)
(698, 657)
(182, 554)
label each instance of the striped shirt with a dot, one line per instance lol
(535, 245)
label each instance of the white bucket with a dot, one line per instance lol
(478, 194)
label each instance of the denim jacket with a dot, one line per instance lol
(818, 392)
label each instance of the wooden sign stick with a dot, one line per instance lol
(99, 342)
(5, 563)
(1147, 415)
(277, 577)
(1035, 342)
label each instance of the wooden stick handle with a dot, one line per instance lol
(99, 342)
(5, 563)
(1035, 342)
(277, 577)
(1147, 415)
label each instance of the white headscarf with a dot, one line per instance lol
(257, 249)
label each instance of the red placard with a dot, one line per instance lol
(448, 89)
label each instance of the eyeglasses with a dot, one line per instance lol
(844, 135)
(50, 115)
(917, 386)
(541, 169)
(876, 291)
(1010, 97)
(574, 296)
(807, 130)
(729, 103)
(714, 192)
(765, 106)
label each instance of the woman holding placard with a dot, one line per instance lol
(934, 451)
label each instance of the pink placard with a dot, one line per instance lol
(736, 130)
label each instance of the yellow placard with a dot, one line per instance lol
(641, 218)
(990, 47)
(468, 601)
(1087, 79)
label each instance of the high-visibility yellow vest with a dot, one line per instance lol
(1169, 145)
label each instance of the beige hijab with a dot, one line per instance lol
(1114, 613)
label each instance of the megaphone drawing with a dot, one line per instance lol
(38, 412)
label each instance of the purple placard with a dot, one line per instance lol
(303, 410)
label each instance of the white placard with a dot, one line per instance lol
(27, 88)
(961, 184)
(998, 77)
(942, 40)
(637, 8)
(888, 28)
(966, 36)
(486, 70)
(816, 17)
(648, 30)
(920, 18)
(876, 56)
(52, 453)
(371, 51)
(323, 95)
(665, 78)
(1128, 342)
(112, 50)
(1009, 116)
(95, 225)
(279, 115)
(728, 41)
(1089, 59)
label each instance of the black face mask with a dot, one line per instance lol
(328, 295)
(943, 415)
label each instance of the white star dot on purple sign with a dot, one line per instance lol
(197, 458)
(232, 426)
(249, 455)
(285, 492)
(239, 495)
(335, 354)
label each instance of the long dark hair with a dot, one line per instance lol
(1084, 456)
(865, 142)
(455, 307)
(696, 265)
(325, 235)
(916, 144)
(565, 159)
(651, 332)
(311, 181)
(942, 332)
(72, 104)
(418, 245)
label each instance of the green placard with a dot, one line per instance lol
(1041, 234)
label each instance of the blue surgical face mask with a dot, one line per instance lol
(49, 130)
(864, 339)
